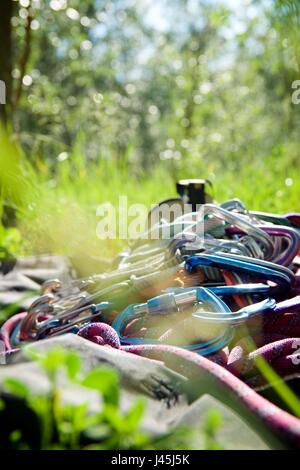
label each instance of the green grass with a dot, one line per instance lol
(56, 208)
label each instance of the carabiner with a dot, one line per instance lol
(233, 318)
(240, 223)
(281, 276)
(239, 289)
(240, 316)
(40, 307)
(283, 256)
(170, 303)
(33, 329)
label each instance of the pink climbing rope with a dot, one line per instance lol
(199, 368)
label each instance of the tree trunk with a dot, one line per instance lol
(6, 13)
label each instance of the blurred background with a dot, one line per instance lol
(123, 97)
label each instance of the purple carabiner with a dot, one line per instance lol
(289, 234)
(289, 305)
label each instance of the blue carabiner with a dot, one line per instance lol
(229, 316)
(256, 288)
(240, 316)
(168, 303)
(266, 270)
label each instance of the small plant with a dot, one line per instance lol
(211, 426)
(72, 426)
(68, 426)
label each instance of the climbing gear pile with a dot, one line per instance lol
(221, 291)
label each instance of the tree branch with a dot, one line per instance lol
(24, 58)
(6, 13)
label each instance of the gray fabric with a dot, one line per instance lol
(43, 267)
(20, 287)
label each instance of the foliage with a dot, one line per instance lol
(58, 214)
(213, 91)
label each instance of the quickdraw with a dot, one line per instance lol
(221, 268)
(238, 248)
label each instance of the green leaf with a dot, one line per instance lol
(73, 365)
(105, 381)
(16, 387)
(134, 415)
(15, 436)
(114, 418)
(53, 360)
(213, 420)
(98, 432)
